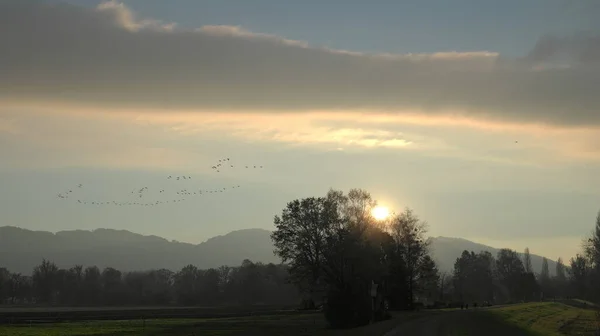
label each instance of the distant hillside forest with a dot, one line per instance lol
(334, 251)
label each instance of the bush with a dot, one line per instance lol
(345, 309)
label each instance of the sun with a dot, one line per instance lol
(380, 212)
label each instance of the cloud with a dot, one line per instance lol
(39, 140)
(584, 49)
(8, 125)
(125, 18)
(539, 146)
(108, 58)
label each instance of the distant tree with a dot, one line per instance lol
(428, 280)
(445, 279)
(225, 273)
(408, 231)
(561, 274)
(92, 285)
(510, 270)
(527, 261)
(160, 286)
(461, 275)
(45, 278)
(529, 287)
(593, 253)
(4, 283)
(560, 279)
(112, 290)
(63, 292)
(580, 277)
(186, 285)
(545, 281)
(249, 281)
(265, 284)
(593, 248)
(473, 277)
(72, 292)
(20, 288)
(545, 273)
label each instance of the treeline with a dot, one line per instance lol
(251, 283)
(337, 251)
(584, 271)
(481, 278)
(508, 278)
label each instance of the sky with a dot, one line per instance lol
(482, 116)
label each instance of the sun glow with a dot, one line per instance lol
(380, 212)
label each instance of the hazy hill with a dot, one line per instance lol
(21, 250)
(446, 250)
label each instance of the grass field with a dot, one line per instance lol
(250, 325)
(15, 315)
(299, 324)
(550, 318)
(523, 319)
(532, 319)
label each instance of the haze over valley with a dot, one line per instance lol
(22, 250)
(414, 167)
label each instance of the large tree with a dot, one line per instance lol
(301, 237)
(580, 272)
(409, 234)
(473, 277)
(334, 243)
(510, 270)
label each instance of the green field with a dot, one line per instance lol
(551, 318)
(523, 319)
(300, 324)
(531, 319)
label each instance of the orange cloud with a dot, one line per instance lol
(446, 136)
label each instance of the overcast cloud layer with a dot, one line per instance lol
(107, 57)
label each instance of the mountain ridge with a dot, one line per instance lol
(22, 249)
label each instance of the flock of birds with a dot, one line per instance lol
(143, 196)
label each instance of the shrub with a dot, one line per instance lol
(345, 309)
